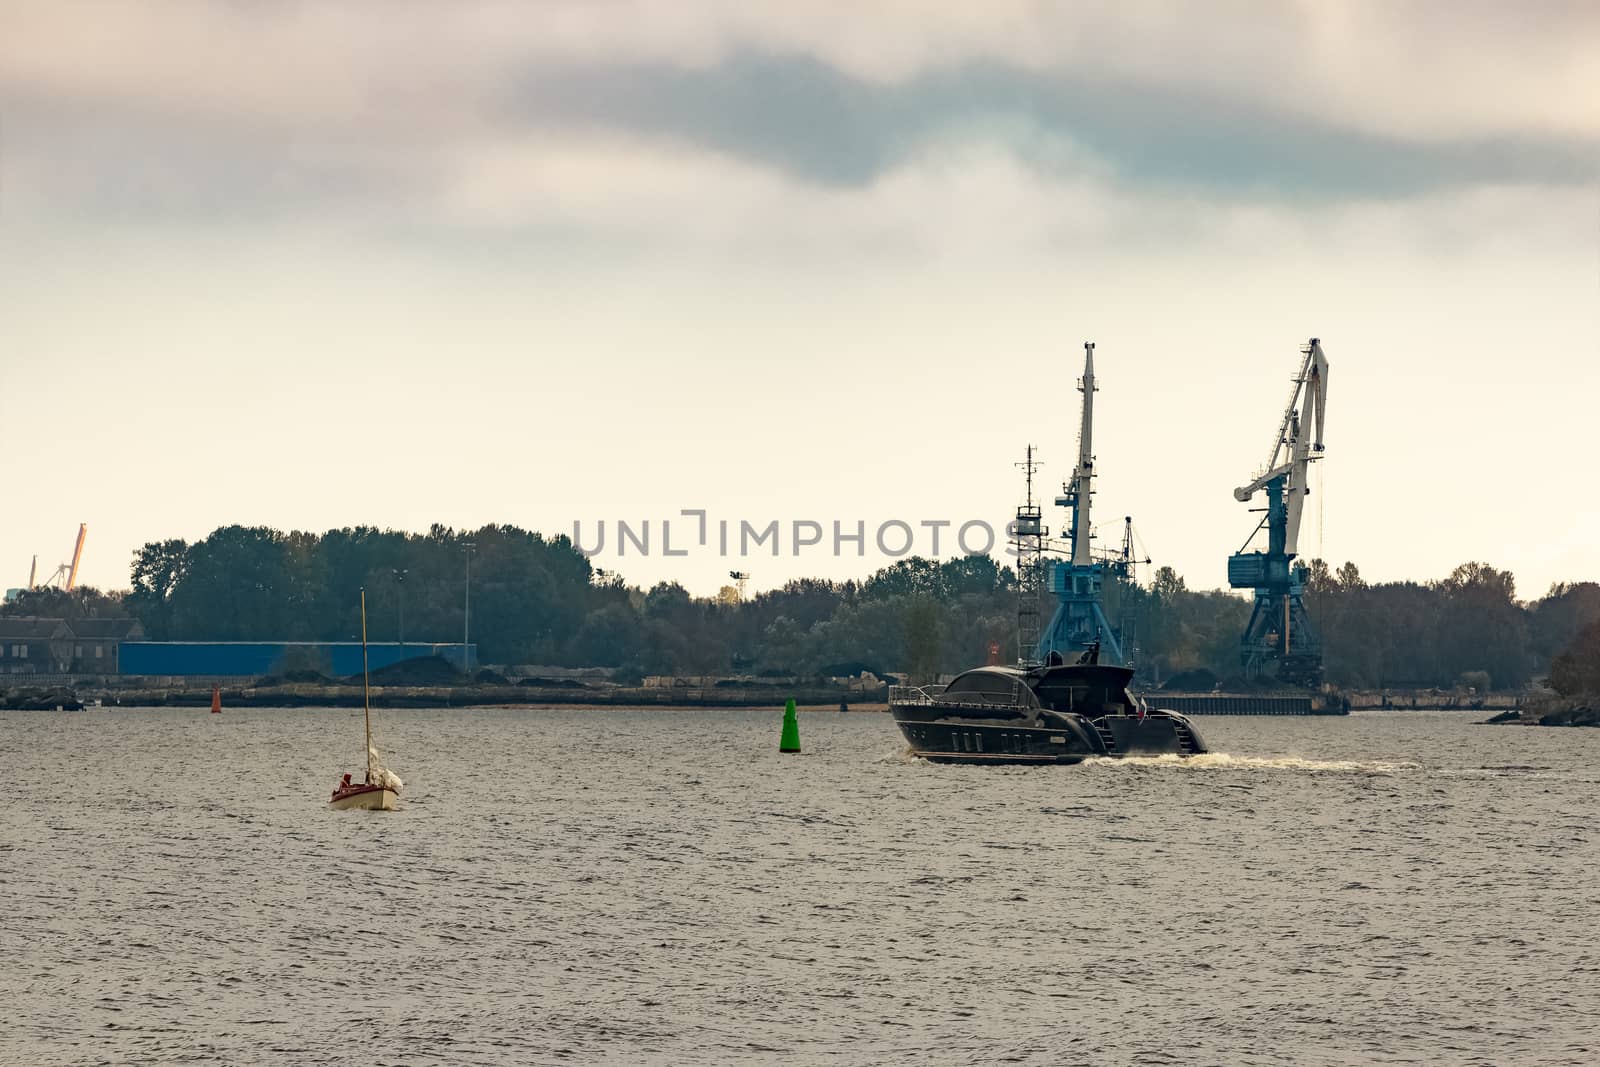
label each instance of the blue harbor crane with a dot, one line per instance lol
(1079, 621)
(1279, 641)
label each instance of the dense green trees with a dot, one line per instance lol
(537, 600)
(1577, 669)
(529, 595)
(84, 602)
(1176, 629)
(1470, 623)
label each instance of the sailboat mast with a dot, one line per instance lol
(366, 687)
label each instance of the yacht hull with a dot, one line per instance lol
(959, 736)
(365, 798)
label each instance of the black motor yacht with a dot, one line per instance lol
(1055, 712)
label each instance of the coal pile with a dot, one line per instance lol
(424, 670)
(304, 676)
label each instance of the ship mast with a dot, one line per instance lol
(366, 687)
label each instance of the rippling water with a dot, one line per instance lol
(663, 887)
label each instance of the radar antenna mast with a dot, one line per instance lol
(1028, 535)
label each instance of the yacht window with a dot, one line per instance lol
(987, 687)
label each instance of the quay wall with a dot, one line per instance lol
(1246, 704)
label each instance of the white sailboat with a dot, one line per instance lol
(380, 790)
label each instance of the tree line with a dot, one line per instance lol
(538, 600)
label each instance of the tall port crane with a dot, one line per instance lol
(1079, 620)
(66, 575)
(1279, 640)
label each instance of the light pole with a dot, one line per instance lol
(400, 580)
(466, 616)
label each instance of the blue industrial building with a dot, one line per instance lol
(240, 658)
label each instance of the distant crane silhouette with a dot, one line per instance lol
(66, 575)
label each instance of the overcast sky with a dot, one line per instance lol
(314, 265)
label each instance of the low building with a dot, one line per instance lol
(241, 659)
(96, 643)
(34, 646)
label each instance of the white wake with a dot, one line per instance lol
(1222, 761)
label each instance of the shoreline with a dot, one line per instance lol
(243, 694)
(504, 696)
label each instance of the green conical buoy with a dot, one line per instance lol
(790, 741)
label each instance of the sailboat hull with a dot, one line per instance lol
(366, 798)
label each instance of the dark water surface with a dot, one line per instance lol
(662, 887)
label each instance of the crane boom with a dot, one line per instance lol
(77, 556)
(1083, 474)
(1314, 387)
(1293, 447)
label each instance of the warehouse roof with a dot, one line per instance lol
(23, 628)
(107, 629)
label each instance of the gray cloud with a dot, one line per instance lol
(811, 120)
(404, 151)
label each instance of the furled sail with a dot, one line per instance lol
(382, 775)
